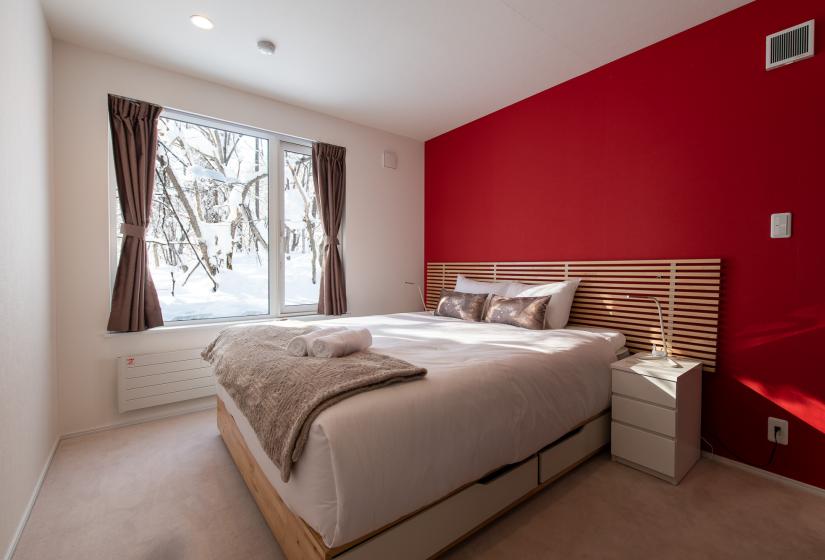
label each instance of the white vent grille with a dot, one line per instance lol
(789, 45)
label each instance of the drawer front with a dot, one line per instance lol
(443, 522)
(645, 415)
(568, 452)
(653, 389)
(643, 448)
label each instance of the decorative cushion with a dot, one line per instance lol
(558, 311)
(525, 312)
(468, 307)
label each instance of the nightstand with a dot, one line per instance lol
(656, 413)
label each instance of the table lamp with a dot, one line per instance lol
(420, 293)
(656, 353)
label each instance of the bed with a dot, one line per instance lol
(501, 413)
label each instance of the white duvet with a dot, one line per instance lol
(493, 395)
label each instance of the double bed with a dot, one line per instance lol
(494, 395)
(407, 470)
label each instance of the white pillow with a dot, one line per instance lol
(468, 286)
(558, 311)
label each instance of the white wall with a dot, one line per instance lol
(28, 384)
(383, 237)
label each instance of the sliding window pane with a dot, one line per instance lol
(303, 236)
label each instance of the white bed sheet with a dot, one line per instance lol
(616, 339)
(493, 395)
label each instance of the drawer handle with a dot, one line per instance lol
(566, 436)
(643, 429)
(637, 399)
(500, 472)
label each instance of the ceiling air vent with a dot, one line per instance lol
(789, 45)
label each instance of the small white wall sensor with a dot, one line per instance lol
(390, 160)
(781, 225)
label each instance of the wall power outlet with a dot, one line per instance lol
(782, 435)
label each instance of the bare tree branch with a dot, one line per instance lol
(194, 251)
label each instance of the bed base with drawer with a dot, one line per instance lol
(689, 291)
(433, 529)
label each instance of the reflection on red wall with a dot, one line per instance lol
(681, 150)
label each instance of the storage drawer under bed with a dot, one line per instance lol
(564, 454)
(458, 514)
(471, 507)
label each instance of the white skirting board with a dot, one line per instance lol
(30, 505)
(158, 414)
(810, 488)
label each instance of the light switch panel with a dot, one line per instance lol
(781, 225)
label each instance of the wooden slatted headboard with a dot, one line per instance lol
(687, 289)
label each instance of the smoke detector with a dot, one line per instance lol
(266, 47)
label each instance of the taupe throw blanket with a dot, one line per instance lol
(281, 395)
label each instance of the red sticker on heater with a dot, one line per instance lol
(130, 361)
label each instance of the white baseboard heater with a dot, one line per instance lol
(153, 379)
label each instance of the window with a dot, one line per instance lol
(218, 188)
(303, 235)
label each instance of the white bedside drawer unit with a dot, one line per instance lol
(656, 415)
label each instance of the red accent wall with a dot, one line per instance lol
(680, 150)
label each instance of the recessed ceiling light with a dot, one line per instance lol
(201, 22)
(266, 47)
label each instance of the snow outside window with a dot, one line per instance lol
(235, 230)
(303, 234)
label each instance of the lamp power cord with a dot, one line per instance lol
(776, 430)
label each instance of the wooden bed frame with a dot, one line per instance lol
(689, 291)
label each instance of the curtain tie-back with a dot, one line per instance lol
(133, 230)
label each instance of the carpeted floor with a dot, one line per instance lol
(169, 490)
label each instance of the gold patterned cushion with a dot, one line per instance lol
(468, 307)
(525, 312)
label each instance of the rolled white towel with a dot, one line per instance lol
(301, 345)
(341, 343)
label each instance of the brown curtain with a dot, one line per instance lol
(329, 172)
(134, 126)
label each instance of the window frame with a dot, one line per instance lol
(275, 208)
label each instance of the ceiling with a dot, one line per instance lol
(413, 67)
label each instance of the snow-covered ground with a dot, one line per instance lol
(298, 286)
(243, 291)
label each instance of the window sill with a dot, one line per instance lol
(220, 324)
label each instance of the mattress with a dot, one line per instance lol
(494, 395)
(616, 339)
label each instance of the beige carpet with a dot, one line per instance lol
(168, 490)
